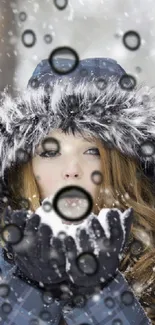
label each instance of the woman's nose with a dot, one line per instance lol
(71, 175)
(72, 171)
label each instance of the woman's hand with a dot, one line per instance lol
(38, 255)
(47, 259)
(95, 256)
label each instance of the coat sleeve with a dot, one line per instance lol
(21, 303)
(116, 304)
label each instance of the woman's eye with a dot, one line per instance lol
(48, 154)
(52, 153)
(94, 150)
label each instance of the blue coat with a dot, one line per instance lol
(23, 304)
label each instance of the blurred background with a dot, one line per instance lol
(31, 29)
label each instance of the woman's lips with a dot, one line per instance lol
(70, 201)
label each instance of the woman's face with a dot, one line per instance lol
(72, 165)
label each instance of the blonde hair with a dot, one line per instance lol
(122, 188)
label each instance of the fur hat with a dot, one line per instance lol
(91, 99)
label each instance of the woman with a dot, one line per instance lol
(89, 104)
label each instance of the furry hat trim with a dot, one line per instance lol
(120, 118)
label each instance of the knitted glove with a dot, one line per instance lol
(38, 255)
(94, 256)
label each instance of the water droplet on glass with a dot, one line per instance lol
(28, 38)
(131, 40)
(59, 65)
(87, 263)
(61, 4)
